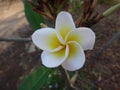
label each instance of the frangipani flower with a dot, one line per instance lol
(65, 44)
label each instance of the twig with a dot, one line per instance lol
(66, 78)
(105, 47)
(108, 44)
(74, 78)
(15, 39)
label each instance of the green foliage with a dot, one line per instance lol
(82, 75)
(55, 81)
(33, 18)
(105, 1)
(108, 1)
(37, 79)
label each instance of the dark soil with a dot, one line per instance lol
(16, 63)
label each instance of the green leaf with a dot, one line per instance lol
(33, 18)
(36, 79)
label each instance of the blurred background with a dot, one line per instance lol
(16, 61)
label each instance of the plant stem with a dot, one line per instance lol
(66, 78)
(74, 78)
(111, 10)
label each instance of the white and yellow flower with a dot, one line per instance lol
(65, 44)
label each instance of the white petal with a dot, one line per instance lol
(84, 36)
(46, 39)
(55, 59)
(76, 58)
(64, 23)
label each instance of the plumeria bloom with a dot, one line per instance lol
(65, 44)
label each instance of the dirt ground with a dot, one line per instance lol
(16, 63)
